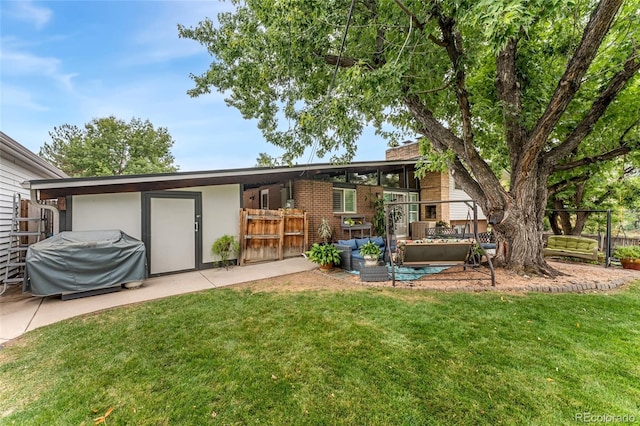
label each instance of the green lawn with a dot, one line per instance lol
(374, 356)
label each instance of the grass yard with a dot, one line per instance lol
(373, 356)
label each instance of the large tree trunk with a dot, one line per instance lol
(520, 242)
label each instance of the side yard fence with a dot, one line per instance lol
(272, 234)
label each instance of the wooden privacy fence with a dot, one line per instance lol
(272, 234)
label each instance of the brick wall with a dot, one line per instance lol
(404, 152)
(433, 186)
(316, 198)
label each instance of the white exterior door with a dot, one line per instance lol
(173, 231)
(402, 230)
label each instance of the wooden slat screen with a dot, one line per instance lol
(272, 234)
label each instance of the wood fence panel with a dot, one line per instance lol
(272, 234)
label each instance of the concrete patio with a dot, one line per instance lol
(21, 313)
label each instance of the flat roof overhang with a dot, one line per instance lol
(255, 176)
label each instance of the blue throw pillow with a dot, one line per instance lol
(349, 243)
(379, 241)
(361, 241)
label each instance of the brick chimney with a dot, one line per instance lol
(407, 151)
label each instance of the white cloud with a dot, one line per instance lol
(26, 11)
(17, 97)
(24, 63)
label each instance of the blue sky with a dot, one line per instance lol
(67, 62)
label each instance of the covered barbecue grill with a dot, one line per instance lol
(85, 261)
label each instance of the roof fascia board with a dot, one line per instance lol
(133, 179)
(16, 150)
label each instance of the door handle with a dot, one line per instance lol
(196, 223)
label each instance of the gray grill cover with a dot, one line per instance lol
(73, 262)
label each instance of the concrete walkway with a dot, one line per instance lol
(28, 313)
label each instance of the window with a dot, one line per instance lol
(431, 212)
(264, 199)
(408, 212)
(336, 176)
(413, 208)
(456, 184)
(364, 178)
(390, 180)
(344, 200)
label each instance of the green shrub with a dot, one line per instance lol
(627, 252)
(225, 247)
(324, 254)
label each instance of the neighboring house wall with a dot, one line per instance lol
(17, 164)
(252, 196)
(461, 213)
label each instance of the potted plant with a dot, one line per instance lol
(224, 247)
(325, 255)
(325, 231)
(629, 256)
(371, 253)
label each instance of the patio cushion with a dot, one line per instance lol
(361, 241)
(348, 243)
(574, 246)
(379, 241)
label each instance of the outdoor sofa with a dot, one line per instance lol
(572, 246)
(350, 257)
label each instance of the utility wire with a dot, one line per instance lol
(333, 77)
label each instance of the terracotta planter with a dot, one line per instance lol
(631, 264)
(327, 267)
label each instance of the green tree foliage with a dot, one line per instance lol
(109, 146)
(266, 160)
(515, 86)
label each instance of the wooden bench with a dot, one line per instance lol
(355, 222)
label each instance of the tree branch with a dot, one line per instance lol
(559, 186)
(508, 90)
(598, 108)
(444, 139)
(453, 41)
(617, 152)
(569, 84)
(346, 62)
(419, 24)
(378, 55)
